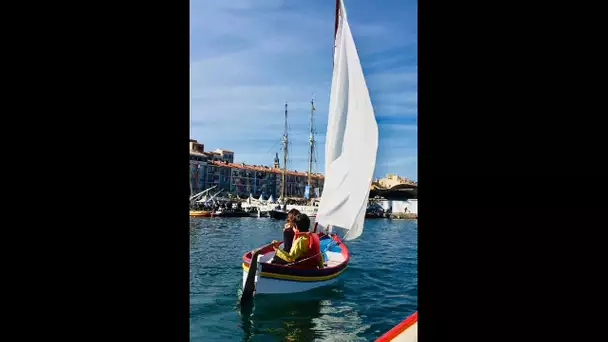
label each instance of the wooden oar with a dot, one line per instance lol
(253, 267)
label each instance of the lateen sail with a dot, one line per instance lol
(351, 141)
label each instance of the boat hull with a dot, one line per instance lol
(309, 210)
(280, 279)
(278, 215)
(200, 213)
(281, 215)
(264, 285)
(231, 214)
(406, 331)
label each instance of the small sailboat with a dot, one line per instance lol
(350, 158)
(200, 198)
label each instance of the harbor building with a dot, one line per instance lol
(391, 180)
(218, 168)
(198, 166)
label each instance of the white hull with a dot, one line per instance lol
(265, 285)
(308, 210)
(409, 335)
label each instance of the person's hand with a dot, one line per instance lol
(275, 243)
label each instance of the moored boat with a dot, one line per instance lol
(277, 214)
(309, 210)
(230, 213)
(280, 214)
(200, 213)
(406, 331)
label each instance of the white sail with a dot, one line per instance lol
(351, 141)
(202, 192)
(204, 199)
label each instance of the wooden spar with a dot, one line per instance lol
(336, 26)
(336, 22)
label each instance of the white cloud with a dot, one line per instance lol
(249, 56)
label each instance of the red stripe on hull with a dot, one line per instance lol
(399, 328)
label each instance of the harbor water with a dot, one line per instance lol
(377, 291)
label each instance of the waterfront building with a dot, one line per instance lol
(198, 165)
(218, 168)
(225, 155)
(392, 180)
(263, 180)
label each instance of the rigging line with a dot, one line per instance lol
(274, 145)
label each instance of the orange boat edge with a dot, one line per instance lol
(200, 213)
(404, 331)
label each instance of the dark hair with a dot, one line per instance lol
(302, 222)
(292, 214)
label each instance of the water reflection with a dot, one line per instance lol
(280, 318)
(309, 316)
(193, 234)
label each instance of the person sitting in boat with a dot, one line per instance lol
(305, 250)
(288, 231)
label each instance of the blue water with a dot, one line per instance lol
(378, 290)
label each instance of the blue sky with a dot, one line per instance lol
(250, 56)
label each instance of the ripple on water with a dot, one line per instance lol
(378, 290)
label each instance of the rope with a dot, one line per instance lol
(314, 256)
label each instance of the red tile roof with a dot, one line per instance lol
(264, 169)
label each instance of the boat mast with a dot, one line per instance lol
(312, 144)
(336, 24)
(285, 141)
(190, 176)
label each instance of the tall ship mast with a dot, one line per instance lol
(285, 143)
(312, 146)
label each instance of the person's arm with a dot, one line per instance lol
(299, 247)
(321, 262)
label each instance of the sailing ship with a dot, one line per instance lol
(280, 211)
(350, 158)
